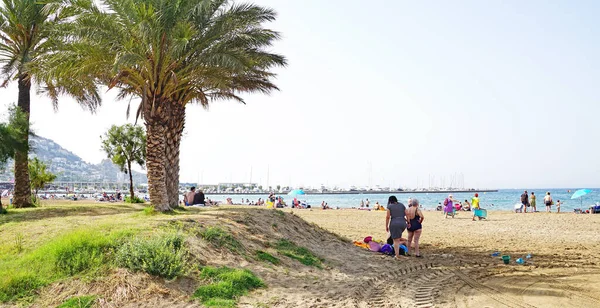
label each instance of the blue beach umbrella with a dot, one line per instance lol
(580, 193)
(297, 192)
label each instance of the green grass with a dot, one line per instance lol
(163, 255)
(303, 255)
(79, 302)
(225, 286)
(267, 257)
(135, 199)
(80, 252)
(149, 210)
(221, 239)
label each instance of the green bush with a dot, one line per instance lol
(77, 252)
(295, 252)
(135, 199)
(19, 286)
(220, 238)
(226, 286)
(162, 255)
(265, 256)
(79, 302)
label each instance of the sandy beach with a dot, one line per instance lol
(563, 271)
(457, 269)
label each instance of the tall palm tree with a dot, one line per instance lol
(169, 53)
(26, 28)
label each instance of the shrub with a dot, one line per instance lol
(79, 252)
(295, 252)
(135, 199)
(226, 286)
(220, 238)
(19, 286)
(79, 302)
(162, 255)
(267, 257)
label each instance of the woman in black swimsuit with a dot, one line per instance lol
(415, 227)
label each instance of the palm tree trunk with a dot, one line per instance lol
(130, 182)
(155, 164)
(22, 197)
(174, 131)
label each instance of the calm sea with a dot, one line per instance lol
(501, 200)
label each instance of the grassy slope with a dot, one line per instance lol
(36, 241)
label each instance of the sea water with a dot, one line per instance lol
(502, 200)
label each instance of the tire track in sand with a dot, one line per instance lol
(502, 298)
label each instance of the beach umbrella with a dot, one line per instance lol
(297, 192)
(580, 193)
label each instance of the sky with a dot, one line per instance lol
(502, 94)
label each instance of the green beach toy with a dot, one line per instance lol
(506, 259)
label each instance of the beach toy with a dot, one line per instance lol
(496, 254)
(506, 259)
(368, 239)
(520, 261)
(528, 256)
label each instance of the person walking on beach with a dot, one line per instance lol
(396, 222)
(449, 206)
(475, 205)
(525, 201)
(548, 201)
(558, 206)
(415, 225)
(532, 202)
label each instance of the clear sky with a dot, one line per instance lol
(390, 92)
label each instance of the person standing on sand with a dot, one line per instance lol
(396, 222)
(362, 203)
(475, 205)
(558, 206)
(532, 202)
(415, 227)
(548, 201)
(525, 201)
(367, 203)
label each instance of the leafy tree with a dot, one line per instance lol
(39, 176)
(10, 138)
(26, 29)
(125, 145)
(169, 53)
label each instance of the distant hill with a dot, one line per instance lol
(71, 168)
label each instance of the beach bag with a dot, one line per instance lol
(446, 201)
(387, 249)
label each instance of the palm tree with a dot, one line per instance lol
(169, 53)
(25, 36)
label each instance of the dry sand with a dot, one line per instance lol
(459, 271)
